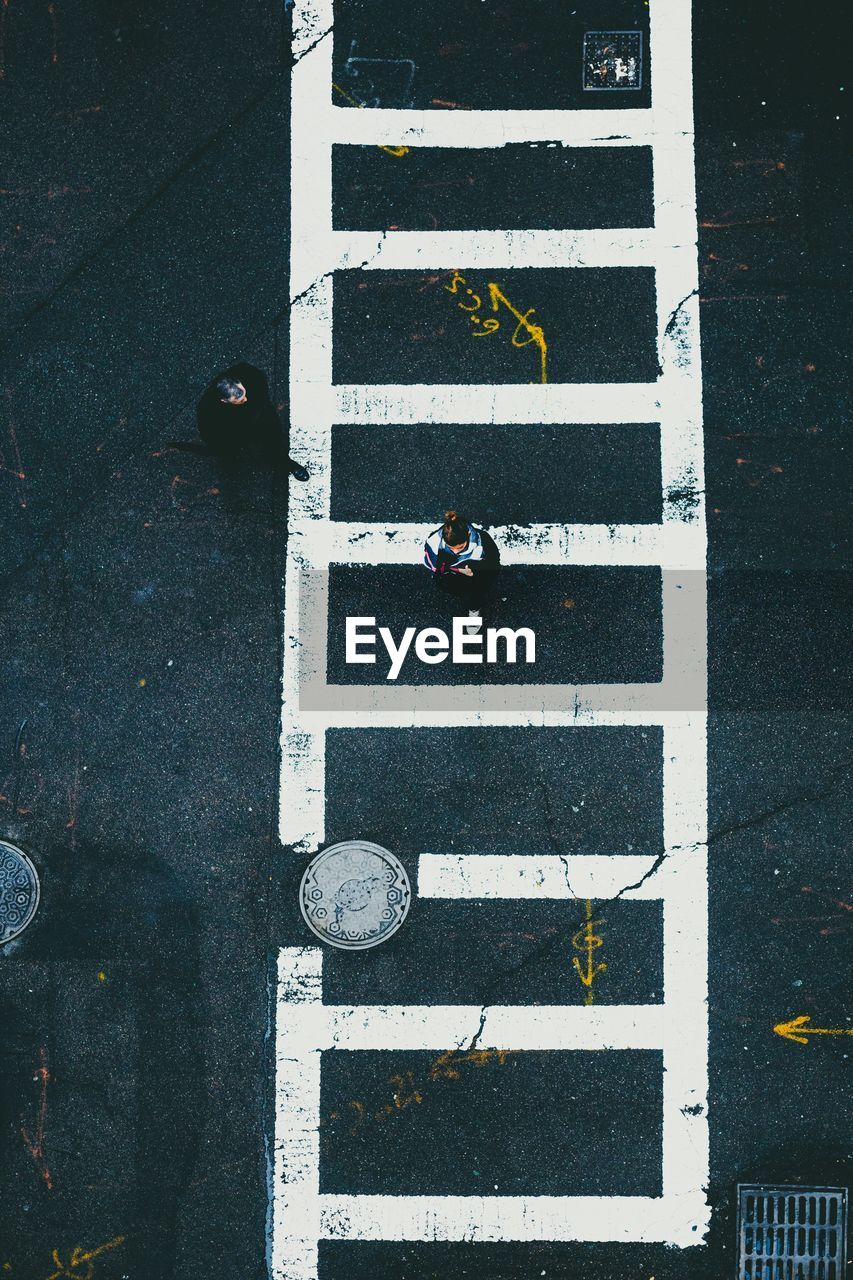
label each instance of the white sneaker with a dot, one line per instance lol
(474, 620)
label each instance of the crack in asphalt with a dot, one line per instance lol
(565, 861)
(479, 1032)
(358, 266)
(312, 45)
(543, 949)
(673, 317)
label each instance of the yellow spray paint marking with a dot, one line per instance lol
(392, 151)
(797, 1030)
(535, 331)
(588, 941)
(407, 1091)
(497, 298)
(445, 1065)
(81, 1266)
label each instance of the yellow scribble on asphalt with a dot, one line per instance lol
(445, 1066)
(392, 151)
(535, 333)
(405, 1093)
(587, 940)
(81, 1265)
(408, 1091)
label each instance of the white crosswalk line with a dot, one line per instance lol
(495, 250)
(536, 876)
(554, 403)
(633, 128)
(671, 546)
(484, 1219)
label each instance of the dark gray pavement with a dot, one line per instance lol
(144, 204)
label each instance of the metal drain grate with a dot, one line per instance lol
(613, 60)
(791, 1233)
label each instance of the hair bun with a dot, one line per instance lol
(450, 517)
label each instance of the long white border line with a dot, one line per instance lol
(685, 943)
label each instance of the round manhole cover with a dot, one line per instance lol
(355, 895)
(19, 891)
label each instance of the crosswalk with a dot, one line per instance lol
(302, 1216)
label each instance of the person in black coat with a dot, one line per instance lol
(237, 418)
(464, 561)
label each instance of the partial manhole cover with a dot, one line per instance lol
(19, 891)
(355, 895)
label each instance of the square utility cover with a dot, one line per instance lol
(613, 60)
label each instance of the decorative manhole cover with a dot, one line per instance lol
(613, 60)
(355, 895)
(19, 891)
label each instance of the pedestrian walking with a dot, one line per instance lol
(236, 418)
(464, 561)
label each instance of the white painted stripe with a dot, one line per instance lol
(670, 546)
(555, 402)
(442, 128)
(537, 876)
(303, 758)
(296, 1156)
(486, 426)
(685, 959)
(312, 23)
(310, 240)
(303, 770)
(477, 1219)
(512, 1027)
(303, 750)
(685, 813)
(496, 250)
(685, 1115)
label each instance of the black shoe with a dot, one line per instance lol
(298, 473)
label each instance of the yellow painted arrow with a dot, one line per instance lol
(797, 1030)
(586, 939)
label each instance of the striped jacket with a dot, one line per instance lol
(480, 553)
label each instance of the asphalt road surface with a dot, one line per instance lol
(155, 1068)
